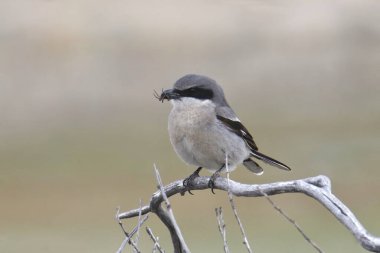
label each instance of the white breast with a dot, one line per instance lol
(199, 139)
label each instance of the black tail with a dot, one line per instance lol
(269, 160)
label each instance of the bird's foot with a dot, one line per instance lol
(188, 182)
(211, 182)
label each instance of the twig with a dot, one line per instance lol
(128, 236)
(278, 209)
(222, 228)
(155, 240)
(319, 188)
(170, 214)
(123, 244)
(118, 219)
(138, 227)
(230, 197)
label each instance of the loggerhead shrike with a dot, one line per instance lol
(204, 129)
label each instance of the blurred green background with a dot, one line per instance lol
(80, 129)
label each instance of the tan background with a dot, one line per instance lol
(80, 129)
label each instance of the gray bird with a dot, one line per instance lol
(205, 131)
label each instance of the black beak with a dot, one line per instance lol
(167, 94)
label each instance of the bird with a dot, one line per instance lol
(205, 131)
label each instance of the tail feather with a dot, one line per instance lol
(269, 160)
(253, 166)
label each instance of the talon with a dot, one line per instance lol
(187, 182)
(211, 185)
(211, 182)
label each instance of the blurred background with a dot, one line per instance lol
(80, 129)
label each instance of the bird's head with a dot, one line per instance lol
(196, 87)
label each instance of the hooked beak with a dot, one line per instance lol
(168, 94)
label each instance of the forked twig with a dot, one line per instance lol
(155, 240)
(169, 216)
(128, 236)
(222, 228)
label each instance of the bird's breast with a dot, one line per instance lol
(199, 139)
(189, 115)
(189, 122)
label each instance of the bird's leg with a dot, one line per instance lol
(211, 182)
(187, 182)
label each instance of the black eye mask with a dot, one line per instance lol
(196, 92)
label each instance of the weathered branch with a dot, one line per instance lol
(318, 188)
(167, 217)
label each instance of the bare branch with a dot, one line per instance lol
(234, 210)
(117, 218)
(222, 228)
(168, 218)
(138, 226)
(155, 240)
(233, 206)
(123, 244)
(318, 188)
(128, 237)
(278, 209)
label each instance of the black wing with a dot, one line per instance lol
(238, 128)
